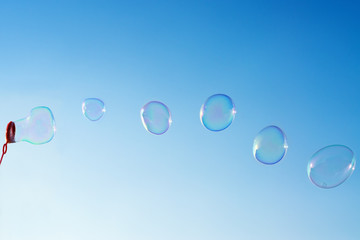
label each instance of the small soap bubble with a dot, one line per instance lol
(218, 112)
(270, 145)
(331, 166)
(93, 108)
(156, 117)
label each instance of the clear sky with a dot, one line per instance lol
(294, 64)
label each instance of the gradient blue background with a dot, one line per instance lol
(295, 64)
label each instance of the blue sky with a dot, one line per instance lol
(294, 64)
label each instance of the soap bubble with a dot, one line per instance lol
(37, 128)
(155, 117)
(270, 145)
(93, 108)
(218, 112)
(331, 166)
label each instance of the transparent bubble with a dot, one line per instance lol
(218, 112)
(155, 117)
(93, 108)
(270, 145)
(331, 166)
(37, 128)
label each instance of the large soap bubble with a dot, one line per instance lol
(270, 145)
(331, 166)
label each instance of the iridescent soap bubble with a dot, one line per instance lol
(270, 145)
(155, 117)
(37, 128)
(93, 108)
(331, 166)
(218, 112)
